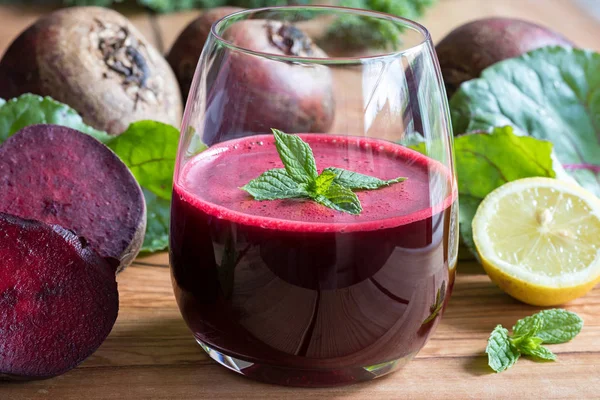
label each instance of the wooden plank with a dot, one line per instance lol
(151, 354)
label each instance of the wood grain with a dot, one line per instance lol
(151, 355)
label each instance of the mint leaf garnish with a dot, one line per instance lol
(323, 182)
(275, 184)
(340, 198)
(297, 157)
(548, 326)
(501, 353)
(558, 326)
(355, 181)
(300, 180)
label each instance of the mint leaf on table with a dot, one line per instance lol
(486, 161)
(501, 353)
(149, 149)
(30, 109)
(297, 157)
(548, 326)
(339, 198)
(299, 179)
(557, 325)
(355, 181)
(549, 94)
(274, 184)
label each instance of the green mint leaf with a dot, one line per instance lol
(275, 184)
(501, 353)
(486, 161)
(323, 182)
(157, 227)
(297, 157)
(557, 325)
(527, 342)
(550, 94)
(355, 181)
(539, 352)
(29, 109)
(339, 198)
(149, 149)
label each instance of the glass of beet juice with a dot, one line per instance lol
(343, 273)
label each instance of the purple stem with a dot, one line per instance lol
(591, 167)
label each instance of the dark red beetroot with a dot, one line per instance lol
(58, 299)
(186, 50)
(96, 61)
(472, 47)
(61, 176)
(253, 94)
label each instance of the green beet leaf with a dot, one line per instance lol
(552, 94)
(157, 227)
(486, 161)
(149, 149)
(30, 109)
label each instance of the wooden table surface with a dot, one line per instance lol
(150, 353)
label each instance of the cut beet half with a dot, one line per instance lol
(61, 176)
(58, 299)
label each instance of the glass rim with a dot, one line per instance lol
(410, 24)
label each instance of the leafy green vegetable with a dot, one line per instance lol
(149, 149)
(552, 94)
(357, 32)
(501, 353)
(157, 227)
(299, 178)
(548, 326)
(29, 109)
(558, 326)
(485, 162)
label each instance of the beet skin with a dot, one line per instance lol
(58, 299)
(472, 47)
(251, 95)
(61, 176)
(186, 50)
(97, 62)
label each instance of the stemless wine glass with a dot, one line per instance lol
(289, 291)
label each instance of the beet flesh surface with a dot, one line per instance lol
(58, 299)
(61, 176)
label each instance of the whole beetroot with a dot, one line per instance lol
(252, 94)
(472, 47)
(96, 61)
(183, 56)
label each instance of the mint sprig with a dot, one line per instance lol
(299, 179)
(546, 327)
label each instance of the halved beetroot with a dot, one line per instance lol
(58, 299)
(61, 176)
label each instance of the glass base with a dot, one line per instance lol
(303, 377)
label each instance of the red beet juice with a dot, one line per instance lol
(292, 292)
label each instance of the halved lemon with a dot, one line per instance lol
(539, 240)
